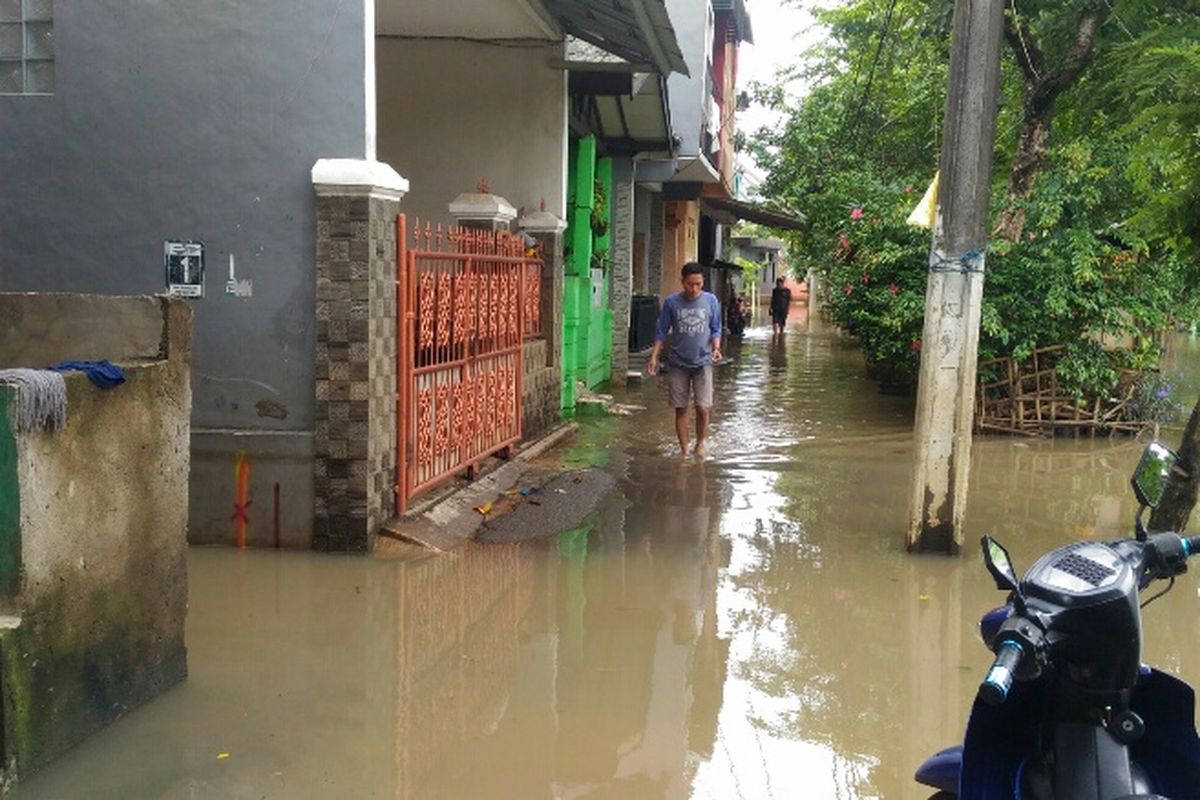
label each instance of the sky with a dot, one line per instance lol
(781, 32)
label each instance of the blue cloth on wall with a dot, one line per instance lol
(104, 374)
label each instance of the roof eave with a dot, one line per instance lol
(637, 30)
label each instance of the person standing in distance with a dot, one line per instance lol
(781, 304)
(690, 329)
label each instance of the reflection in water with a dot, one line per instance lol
(748, 626)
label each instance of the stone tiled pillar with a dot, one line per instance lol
(548, 229)
(621, 270)
(654, 248)
(355, 429)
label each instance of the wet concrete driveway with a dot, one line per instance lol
(745, 627)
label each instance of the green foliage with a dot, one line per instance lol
(1108, 253)
(599, 219)
(751, 270)
(1086, 370)
(1155, 399)
(1154, 79)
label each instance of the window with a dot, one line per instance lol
(26, 46)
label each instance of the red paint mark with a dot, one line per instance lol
(276, 516)
(241, 472)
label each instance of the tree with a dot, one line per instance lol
(1154, 78)
(1044, 82)
(1179, 498)
(1099, 114)
(1161, 71)
(1052, 44)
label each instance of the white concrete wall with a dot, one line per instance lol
(453, 112)
(692, 20)
(102, 537)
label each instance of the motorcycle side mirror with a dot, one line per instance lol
(1152, 473)
(1000, 565)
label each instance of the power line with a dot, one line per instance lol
(883, 32)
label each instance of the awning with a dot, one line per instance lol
(627, 111)
(638, 31)
(696, 169)
(754, 212)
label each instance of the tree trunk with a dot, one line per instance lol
(1180, 496)
(1029, 160)
(1043, 84)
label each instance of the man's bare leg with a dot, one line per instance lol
(681, 429)
(701, 430)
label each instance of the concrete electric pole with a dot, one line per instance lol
(950, 342)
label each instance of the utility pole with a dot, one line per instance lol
(950, 342)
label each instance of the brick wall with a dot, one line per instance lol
(355, 430)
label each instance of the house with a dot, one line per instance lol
(621, 132)
(254, 159)
(700, 199)
(772, 254)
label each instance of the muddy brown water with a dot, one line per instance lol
(745, 627)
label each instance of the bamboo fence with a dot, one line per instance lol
(1025, 398)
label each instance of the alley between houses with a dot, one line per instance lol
(744, 626)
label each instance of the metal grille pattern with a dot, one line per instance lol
(467, 299)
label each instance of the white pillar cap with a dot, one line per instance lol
(542, 222)
(482, 206)
(354, 176)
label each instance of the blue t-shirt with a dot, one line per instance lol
(688, 327)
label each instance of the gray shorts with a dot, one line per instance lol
(683, 382)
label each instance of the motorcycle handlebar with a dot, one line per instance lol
(1191, 545)
(999, 679)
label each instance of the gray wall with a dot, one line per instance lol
(686, 92)
(180, 119)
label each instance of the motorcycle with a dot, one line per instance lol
(1067, 711)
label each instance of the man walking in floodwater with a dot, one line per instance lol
(690, 323)
(781, 304)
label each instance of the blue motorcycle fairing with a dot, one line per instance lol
(999, 739)
(989, 624)
(1169, 751)
(941, 770)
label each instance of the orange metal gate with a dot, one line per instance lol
(466, 301)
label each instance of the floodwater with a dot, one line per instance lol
(745, 627)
